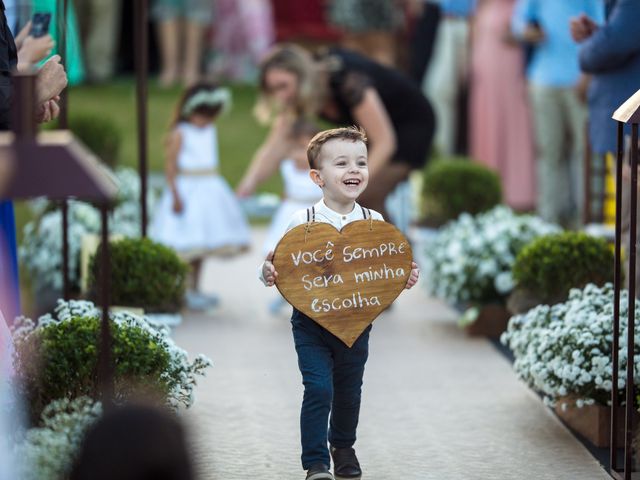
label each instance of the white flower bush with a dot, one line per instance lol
(48, 452)
(180, 373)
(565, 349)
(470, 259)
(41, 249)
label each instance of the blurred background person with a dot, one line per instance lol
(99, 22)
(368, 26)
(134, 443)
(51, 81)
(557, 95)
(74, 63)
(17, 13)
(611, 54)
(242, 34)
(344, 88)
(180, 31)
(447, 72)
(424, 19)
(501, 128)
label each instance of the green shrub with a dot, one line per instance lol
(57, 358)
(144, 274)
(454, 186)
(552, 265)
(67, 354)
(100, 134)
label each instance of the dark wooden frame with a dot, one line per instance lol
(627, 114)
(56, 166)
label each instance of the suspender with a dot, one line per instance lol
(311, 213)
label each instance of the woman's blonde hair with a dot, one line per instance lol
(295, 59)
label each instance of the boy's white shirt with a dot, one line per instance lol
(326, 215)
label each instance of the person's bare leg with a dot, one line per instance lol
(381, 46)
(169, 38)
(377, 45)
(196, 267)
(382, 184)
(194, 33)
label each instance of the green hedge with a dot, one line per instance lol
(60, 361)
(454, 186)
(100, 134)
(143, 274)
(551, 265)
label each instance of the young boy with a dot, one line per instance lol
(331, 371)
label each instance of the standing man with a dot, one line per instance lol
(99, 22)
(557, 101)
(447, 72)
(611, 54)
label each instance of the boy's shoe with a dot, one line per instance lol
(345, 463)
(319, 472)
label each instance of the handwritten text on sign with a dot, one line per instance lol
(343, 280)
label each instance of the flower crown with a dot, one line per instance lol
(219, 96)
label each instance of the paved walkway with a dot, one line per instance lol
(436, 404)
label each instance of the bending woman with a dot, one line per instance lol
(344, 88)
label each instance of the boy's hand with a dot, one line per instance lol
(269, 273)
(413, 278)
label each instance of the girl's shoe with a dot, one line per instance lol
(345, 463)
(199, 302)
(319, 472)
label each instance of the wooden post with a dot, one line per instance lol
(628, 113)
(54, 165)
(142, 61)
(106, 367)
(615, 400)
(63, 124)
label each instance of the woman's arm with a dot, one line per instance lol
(266, 160)
(372, 115)
(174, 142)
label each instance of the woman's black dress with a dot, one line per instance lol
(410, 113)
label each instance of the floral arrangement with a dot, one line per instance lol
(48, 451)
(41, 249)
(470, 259)
(565, 349)
(57, 357)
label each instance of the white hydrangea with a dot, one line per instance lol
(470, 259)
(48, 452)
(41, 248)
(565, 349)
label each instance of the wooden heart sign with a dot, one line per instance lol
(343, 279)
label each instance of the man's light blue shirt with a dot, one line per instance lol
(457, 8)
(555, 60)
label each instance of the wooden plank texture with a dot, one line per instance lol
(343, 279)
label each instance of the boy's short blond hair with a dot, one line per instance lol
(354, 134)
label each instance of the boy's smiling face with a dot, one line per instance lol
(342, 173)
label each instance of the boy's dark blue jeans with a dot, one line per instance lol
(332, 377)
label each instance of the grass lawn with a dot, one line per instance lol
(239, 134)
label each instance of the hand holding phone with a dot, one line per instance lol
(40, 24)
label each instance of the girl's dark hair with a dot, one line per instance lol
(205, 110)
(134, 443)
